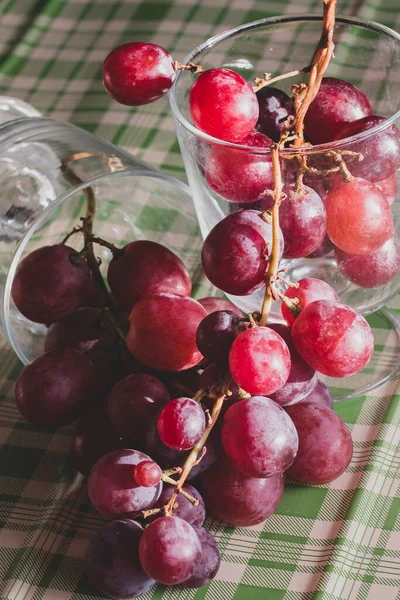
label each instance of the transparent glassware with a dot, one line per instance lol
(367, 55)
(45, 167)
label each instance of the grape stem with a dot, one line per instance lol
(197, 449)
(74, 230)
(116, 252)
(261, 82)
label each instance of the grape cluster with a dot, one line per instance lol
(198, 391)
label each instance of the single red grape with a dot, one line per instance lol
(388, 187)
(147, 473)
(259, 361)
(56, 387)
(223, 104)
(374, 269)
(138, 73)
(325, 444)
(112, 489)
(320, 395)
(359, 216)
(213, 303)
(50, 283)
(81, 329)
(338, 102)
(240, 175)
(112, 562)
(194, 514)
(237, 499)
(162, 331)
(146, 268)
(275, 108)
(216, 334)
(181, 423)
(209, 562)
(169, 549)
(309, 290)
(333, 338)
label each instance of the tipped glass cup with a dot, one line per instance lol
(45, 168)
(367, 55)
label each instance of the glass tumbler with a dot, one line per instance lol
(366, 55)
(45, 168)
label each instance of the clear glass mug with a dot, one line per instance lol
(367, 55)
(45, 167)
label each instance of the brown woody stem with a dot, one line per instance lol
(185, 494)
(261, 82)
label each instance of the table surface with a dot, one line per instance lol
(338, 541)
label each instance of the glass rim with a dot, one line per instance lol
(294, 18)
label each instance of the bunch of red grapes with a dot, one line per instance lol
(142, 407)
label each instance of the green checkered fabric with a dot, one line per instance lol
(340, 541)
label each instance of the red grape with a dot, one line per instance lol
(309, 290)
(338, 102)
(112, 562)
(275, 108)
(388, 187)
(112, 489)
(240, 175)
(56, 387)
(320, 395)
(147, 473)
(223, 104)
(79, 330)
(259, 361)
(323, 249)
(237, 499)
(50, 283)
(258, 437)
(169, 549)
(146, 268)
(209, 562)
(138, 73)
(325, 445)
(234, 253)
(213, 303)
(380, 151)
(302, 378)
(302, 218)
(133, 402)
(333, 338)
(374, 269)
(181, 423)
(163, 329)
(216, 334)
(194, 514)
(359, 216)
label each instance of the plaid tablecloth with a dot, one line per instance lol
(340, 541)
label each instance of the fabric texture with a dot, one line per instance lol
(337, 541)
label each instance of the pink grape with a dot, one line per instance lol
(234, 253)
(162, 331)
(338, 102)
(216, 334)
(320, 395)
(309, 290)
(50, 283)
(302, 218)
(169, 549)
(325, 444)
(147, 473)
(138, 73)
(258, 437)
(237, 499)
(81, 330)
(359, 217)
(133, 402)
(380, 151)
(213, 303)
(302, 378)
(275, 108)
(374, 269)
(323, 249)
(112, 562)
(241, 175)
(146, 268)
(223, 104)
(259, 361)
(388, 187)
(56, 388)
(181, 423)
(194, 514)
(209, 562)
(333, 338)
(113, 490)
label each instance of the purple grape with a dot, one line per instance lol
(275, 108)
(216, 334)
(209, 562)
(112, 562)
(79, 330)
(186, 510)
(113, 490)
(169, 549)
(325, 248)
(320, 395)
